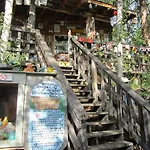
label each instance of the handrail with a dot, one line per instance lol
(115, 78)
(75, 108)
(130, 109)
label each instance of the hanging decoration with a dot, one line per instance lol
(113, 20)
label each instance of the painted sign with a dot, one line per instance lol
(47, 116)
(5, 77)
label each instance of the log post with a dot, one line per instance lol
(6, 25)
(31, 19)
(120, 51)
(94, 80)
(90, 26)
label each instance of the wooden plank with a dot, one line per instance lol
(110, 102)
(94, 81)
(73, 101)
(119, 108)
(111, 145)
(97, 16)
(73, 137)
(130, 117)
(146, 120)
(104, 133)
(18, 2)
(103, 4)
(41, 59)
(31, 19)
(27, 2)
(100, 3)
(23, 41)
(22, 29)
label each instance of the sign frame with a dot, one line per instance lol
(32, 81)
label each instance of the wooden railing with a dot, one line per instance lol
(76, 114)
(130, 109)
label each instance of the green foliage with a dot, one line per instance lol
(8, 57)
(112, 2)
(137, 38)
(146, 81)
(141, 83)
(135, 83)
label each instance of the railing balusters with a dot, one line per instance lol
(111, 93)
(146, 120)
(130, 117)
(110, 103)
(119, 107)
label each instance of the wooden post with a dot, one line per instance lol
(130, 116)
(53, 44)
(18, 2)
(94, 80)
(31, 19)
(90, 26)
(120, 53)
(6, 25)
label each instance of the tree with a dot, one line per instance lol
(145, 20)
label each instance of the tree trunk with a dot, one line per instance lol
(144, 21)
(6, 25)
(120, 50)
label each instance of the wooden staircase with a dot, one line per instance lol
(101, 131)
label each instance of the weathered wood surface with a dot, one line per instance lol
(28, 2)
(131, 110)
(75, 109)
(126, 88)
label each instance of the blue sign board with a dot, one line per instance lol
(46, 128)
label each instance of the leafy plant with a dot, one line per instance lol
(137, 38)
(14, 59)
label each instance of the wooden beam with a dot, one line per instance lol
(97, 16)
(99, 3)
(62, 4)
(102, 4)
(79, 2)
(32, 12)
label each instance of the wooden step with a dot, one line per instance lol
(76, 80)
(78, 85)
(68, 76)
(92, 114)
(67, 71)
(66, 67)
(111, 145)
(85, 99)
(80, 91)
(99, 123)
(90, 104)
(104, 133)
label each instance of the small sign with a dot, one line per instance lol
(46, 129)
(5, 77)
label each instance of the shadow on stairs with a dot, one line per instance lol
(101, 130)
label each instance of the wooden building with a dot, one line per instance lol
(55, 17)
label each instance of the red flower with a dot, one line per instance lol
(115, 13)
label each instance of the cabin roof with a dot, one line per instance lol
(70, 11)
